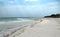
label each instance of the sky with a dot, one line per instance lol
(28, 8)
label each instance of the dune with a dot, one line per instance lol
(46, 27)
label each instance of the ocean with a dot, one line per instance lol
(11, 23)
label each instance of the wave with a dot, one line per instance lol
(5, 25)
(3, 20)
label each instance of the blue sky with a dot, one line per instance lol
(28, 8)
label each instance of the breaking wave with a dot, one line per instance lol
(11, 24)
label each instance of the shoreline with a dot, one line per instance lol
(12, 31)
(39, 22)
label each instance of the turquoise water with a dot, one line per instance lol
(10, 23)
(8, 19)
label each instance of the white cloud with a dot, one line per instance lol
(31, 0)
(44, 9)
(11, 1)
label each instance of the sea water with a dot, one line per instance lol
(11, 23)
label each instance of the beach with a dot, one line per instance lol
(45, 27)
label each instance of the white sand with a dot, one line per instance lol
(48, 27)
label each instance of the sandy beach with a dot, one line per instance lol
(46, 27)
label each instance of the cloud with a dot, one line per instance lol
(31, 0)
(30, 11)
